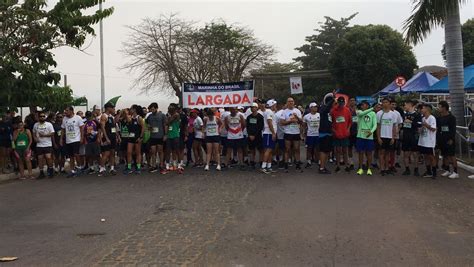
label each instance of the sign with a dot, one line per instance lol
(296, 85)
(400, 81)
(199, 95)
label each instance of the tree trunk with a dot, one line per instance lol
(454, 62)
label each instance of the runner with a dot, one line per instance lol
(311, 129)
(291, 120)
(59, 150)
(156, 121)
(197, 137)
(410, 135)
(366, 127)
(72, 128)
(341, 125)
(91, 132)
(446, 139)
(386, 131)
(22, 140)
(108, 139)
(212, 124)
(43, 133)
(269, 135)
(183, 137)
(235, 124)
(325, 132)
(255, 124)
(172, 141)
(122, 139)
(135, 138)
(427, 141)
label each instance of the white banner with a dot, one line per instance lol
(296, 85)
(218, 95)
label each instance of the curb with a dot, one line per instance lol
(466, 167)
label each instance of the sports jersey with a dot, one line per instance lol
(427, 137)
(446, 128)
(269, 115)
(386, 120)
(366, 123)
(341, 121)
(294, 127)
(235, 128)
(212, 128)
(312, 121)
(90, 131)
(411, 125)
(44, 128)
(197, 125)
(72, 128)
(156, 122)
(255, 124)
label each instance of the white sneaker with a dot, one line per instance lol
(453, 175)
(471, 176)
(206, 168)
(218, 167)
(446, 174)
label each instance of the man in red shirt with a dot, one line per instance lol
(341, 129)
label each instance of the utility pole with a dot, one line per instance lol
(102, 77)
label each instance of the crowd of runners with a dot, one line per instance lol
(265, 136)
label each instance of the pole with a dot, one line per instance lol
(262, 89)
(65, 80)
(102, 77)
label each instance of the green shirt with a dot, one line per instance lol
(173, 129)
(146, 133)
(22, 141)
(367, 122)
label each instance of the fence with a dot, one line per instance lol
(463, 148)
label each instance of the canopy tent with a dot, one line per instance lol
(442, 85)
(418, 83)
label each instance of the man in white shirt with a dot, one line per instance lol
(311, 125)
(43, 133)
(72, 129)
(386, 131)
(427, 141)
(269, 135)
(291, 121)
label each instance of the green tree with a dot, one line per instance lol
(467, 32)
(320, 46)
(369, 57)
(429, 14)
(29, 31)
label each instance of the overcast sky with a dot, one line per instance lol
(283, 24)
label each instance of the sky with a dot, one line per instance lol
(282, 24)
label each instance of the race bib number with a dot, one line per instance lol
(21, 143)
(71, 135)
(294, 126)
(355, 119)
(113, 130)
(124, 135)
(60, 133)
(170, 128)
(407, 125)
(424, 132)
(340, 119)
(131, 135)
(386, 122)
(329, 118)
(212, 130)
(314, 124)
(155, 130)
(445, 128)
(253, 121)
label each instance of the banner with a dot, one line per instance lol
(217, 94)
(296, 85)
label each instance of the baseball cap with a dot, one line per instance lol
(240, 107)
(194, 111)
(313, 105)
(341, 99)
(271, 102)
(254, 105)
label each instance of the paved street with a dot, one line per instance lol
(238, 218)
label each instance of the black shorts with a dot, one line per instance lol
(133, 140)
(325, 144)
(426, 150)
(124, 144)
(446, 149)
(353, 140)
(256, 143)
(172, 143)
(111, 146)
(235, 143)
(155, 141)
(292, 137)
(410, 144)
(386, 144)
(213, 139)
(72, 149)
(92, 150)
(182, 144)
(60, 152)
(44, 150)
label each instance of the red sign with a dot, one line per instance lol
(400, 81)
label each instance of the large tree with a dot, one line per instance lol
(168, 51)
(429, 14)
(29, 31)
(467, 32)
(320, 46)
(369, 57)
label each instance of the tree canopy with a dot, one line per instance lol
(29, 31)
(369, 57)
(467, 32)
(168, 51)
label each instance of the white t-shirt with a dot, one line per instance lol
(293, 128)
(312, 121)
(72, 128)
(43, 128)
(386, 121)
(269, 115)
(197, 124)
(223, 116)
(399, 121)
(427, 137)
(280, 128)
(235, 128)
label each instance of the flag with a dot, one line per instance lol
(296, 85)
(114, 100)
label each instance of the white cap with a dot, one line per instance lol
(271, 102)
(254, 105)
(240, 107)
(313, 105)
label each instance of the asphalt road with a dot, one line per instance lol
(238, 218)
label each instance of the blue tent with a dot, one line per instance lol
(442, 85)
(418, 83)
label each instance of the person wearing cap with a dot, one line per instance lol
(427, 141)
(311, 123)
(325, 132)
(341, 126)
(255, 124)
(108, 139)
(235, 124)
(269, 135)
(156, 122)
(366, 127)
(291, 120)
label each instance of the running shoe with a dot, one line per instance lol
(360, 171)
(206, 168)
(218, 167)
(369, 172)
